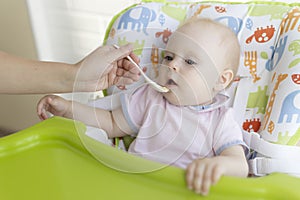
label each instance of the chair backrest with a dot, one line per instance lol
(268, 98)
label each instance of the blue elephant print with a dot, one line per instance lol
(233, 23)
(289, 109)
(139, 17)
(279, 49)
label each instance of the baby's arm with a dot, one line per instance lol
(91, 116)
(202, 173)
(55, 105)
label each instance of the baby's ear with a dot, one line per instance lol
(224, 80)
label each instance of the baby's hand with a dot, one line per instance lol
(53, 104)
(202, 173)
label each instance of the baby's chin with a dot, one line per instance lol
(173, 98)
(185, 99)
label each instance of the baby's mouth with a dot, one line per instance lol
(171, 82)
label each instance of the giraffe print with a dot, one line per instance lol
(280, 78)
(251, 62)
(200, 9)
(290, 20)
(154, 59)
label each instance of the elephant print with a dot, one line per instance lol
(233, 23)
(138, 17)
(289, 108)
(279, 50)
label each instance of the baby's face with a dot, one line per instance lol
(188, 70)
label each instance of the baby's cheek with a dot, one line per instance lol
(162, 75)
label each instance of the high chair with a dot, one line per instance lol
(63, 159)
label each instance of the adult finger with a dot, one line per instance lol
(120, 53)
(134, 57)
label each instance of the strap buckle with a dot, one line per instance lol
(256, 166)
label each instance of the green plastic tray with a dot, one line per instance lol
(49, 161)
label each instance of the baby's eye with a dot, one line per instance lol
(190, 62)
(169, 58)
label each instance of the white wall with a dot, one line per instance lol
(66, 30)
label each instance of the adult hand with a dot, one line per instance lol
(106, 66)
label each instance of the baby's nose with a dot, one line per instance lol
(173, 65)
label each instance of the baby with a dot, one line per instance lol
(189, 126)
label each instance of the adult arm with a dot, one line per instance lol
(104, 67)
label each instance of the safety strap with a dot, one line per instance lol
(271, 157)
(261, 166)
(268, 149)
(241, 98)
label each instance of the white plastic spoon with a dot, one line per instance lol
(156, 86)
